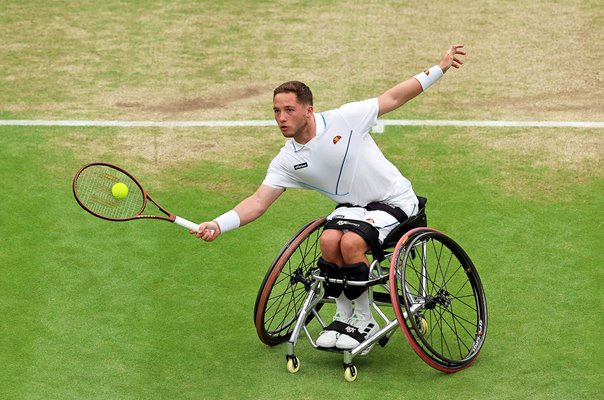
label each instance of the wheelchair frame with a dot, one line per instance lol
(429, 277)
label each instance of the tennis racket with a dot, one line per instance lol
(94, 188)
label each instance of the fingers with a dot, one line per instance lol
(208, 235)
(453, 53)
(456, 49)
(456, 62)
(207, 231)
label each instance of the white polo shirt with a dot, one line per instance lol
(343, 161)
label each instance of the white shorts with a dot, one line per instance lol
(381, 220)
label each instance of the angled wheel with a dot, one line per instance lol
(350, 373)
(286, 285)
(438, 299)
(293, 364)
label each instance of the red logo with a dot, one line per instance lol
(336, 139)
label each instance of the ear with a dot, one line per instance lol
(309, 111)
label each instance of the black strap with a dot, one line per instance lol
(396, 212)
(330, 270)
(349, 330)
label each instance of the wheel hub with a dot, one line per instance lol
(442, 298)
(298, 277)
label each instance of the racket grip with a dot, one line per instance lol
(186, 224)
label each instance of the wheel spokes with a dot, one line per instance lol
(440, 285)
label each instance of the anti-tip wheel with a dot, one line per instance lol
(350, 373)
(293, 364)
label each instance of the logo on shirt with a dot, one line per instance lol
(336, 139)
(300, 166)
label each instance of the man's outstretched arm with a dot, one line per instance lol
(398, 95)
(245, 212)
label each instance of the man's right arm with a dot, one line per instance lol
(245, 212)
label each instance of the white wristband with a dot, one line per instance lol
(228, 221)
(429, 77)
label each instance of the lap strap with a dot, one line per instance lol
(396, 212)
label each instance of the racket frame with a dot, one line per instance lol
(167, 217)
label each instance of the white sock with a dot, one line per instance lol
(343, 306)
(361, 306)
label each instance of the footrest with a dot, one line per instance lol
(348, 330)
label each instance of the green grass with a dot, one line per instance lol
(193, 60)
(96, 310)
(93, 309)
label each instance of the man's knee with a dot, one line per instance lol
(330, 238)
(353, 246)
(330, 246)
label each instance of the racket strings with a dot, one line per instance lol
(94, 190)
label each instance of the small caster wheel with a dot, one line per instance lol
(422, 324)
(293, 364)
(350, 373)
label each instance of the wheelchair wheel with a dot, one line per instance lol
(286, 285)
(438, 299)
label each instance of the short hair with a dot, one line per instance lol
(303, 93)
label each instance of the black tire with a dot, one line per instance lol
(447, 302)
(286, 285)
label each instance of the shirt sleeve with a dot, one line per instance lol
(277, 176)
(361, 115)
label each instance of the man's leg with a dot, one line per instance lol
(348, 250)
(331, 254)
(354, 253)
(353, 248)
(330, 246)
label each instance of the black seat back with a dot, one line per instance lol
(416, 221)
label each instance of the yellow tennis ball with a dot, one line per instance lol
(119, 190)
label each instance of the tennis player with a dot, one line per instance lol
(333, 153)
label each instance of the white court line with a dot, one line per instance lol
(378, 128)
(127, 124)
(535, 124)
(497, 124)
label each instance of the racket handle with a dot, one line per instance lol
(186, 224)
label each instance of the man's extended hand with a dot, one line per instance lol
(451, 59)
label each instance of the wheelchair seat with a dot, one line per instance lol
(417, 221)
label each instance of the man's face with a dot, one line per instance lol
(290, 115)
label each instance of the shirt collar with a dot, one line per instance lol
(320, 125)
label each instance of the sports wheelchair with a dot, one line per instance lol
(430, 282)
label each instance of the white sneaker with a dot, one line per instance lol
(365, 329)
(328, 338)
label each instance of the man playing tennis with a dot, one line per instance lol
(333, 153)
